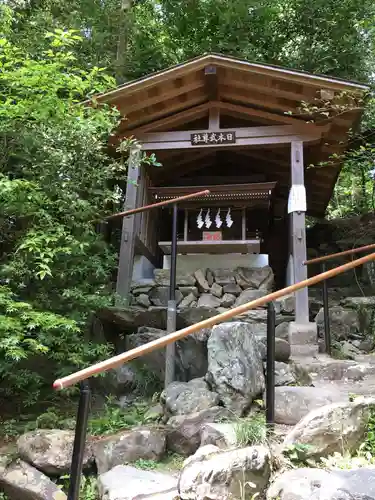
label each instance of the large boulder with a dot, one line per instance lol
(343, 322)
(182, 398)
(184, 431)
(319, 484)
(284, 374)
(235, 369)
(191, 354)
(21, 481)
(294, 403)
(331, 427)
(129, 446)
(219, 475)
(128, 483)
(50, 450)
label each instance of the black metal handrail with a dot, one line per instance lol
(83, 375)
(322, 260)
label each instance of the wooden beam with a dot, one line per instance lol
(298, 236)
(144, 101)
(246, 141)
(211, 85)
(127, 245)
(141, 248)
(197, 111)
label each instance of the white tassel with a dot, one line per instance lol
(228, 219)
(200, 220)
(207, 220)
(218, 220)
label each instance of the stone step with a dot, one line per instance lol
(326, 368)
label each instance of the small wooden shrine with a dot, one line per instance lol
(248, 132)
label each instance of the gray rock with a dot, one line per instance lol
(348, 350)
(142, 300)
(162, 278)
(331, 427)
(282, 331)
(190, 316)
(287, 304)
(282, 348)
(183, 398)
(186, 290)
(208, 300)
(187, 300)
(248, 296)
(298, 484)
(225, 474)
(159, 296)
(228, 300)
(318, 484)
(183, 432)
(256, 316)
(233, 289)
(220, 435)
(50, 450)
(200, 276)
(366, 345)
(191, 354)
(294, 403)
(154, 414)
(142, 286)
(21, 481)
(130, 318)
(224, 276)
(210, 277)
(254, 277)
(284, 374)
(125, 378)
(128, 483)
(129, 446)
(343, 322)
(217, 290)
(358, 302)
(235, 368)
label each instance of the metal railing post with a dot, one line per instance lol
(171, 312)
(270, 370)
(327, 328)
(79, 441)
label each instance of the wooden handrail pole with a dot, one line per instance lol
(175, 336)
(159, 204)
(339, 254)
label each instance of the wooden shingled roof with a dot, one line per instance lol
(247, 94)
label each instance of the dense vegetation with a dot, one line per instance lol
(56, 176)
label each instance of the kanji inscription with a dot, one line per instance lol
(209, 138)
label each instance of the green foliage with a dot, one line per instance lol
(172, 462)
(347, 461)
(297, 454)
(114, 419)
(88, 487)
(251, 430)
(56, 181)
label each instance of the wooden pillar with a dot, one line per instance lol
(125, 266)
(296, 209)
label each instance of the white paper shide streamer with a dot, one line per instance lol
(218, 220)
(207, 220)
(228, 219)
(200, 220)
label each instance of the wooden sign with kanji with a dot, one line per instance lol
(209, 138)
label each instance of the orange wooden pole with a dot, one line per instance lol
(339, 254)
(159, 204)
(173, 337)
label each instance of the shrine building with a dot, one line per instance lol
(259, 137)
